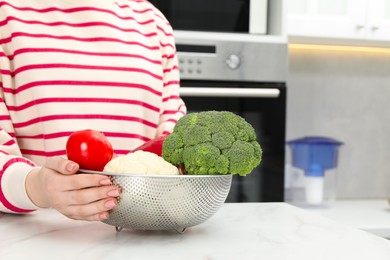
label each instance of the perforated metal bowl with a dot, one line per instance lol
(169, 202)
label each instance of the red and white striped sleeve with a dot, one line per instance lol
(13, 167)
(173, 107)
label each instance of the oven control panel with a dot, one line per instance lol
(190, 66)
(232, 60)
(194, 65)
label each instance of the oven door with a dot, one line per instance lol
(239, 16)
(263, 105)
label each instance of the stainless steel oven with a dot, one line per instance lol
(247, 78)
(240, 72)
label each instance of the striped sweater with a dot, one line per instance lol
(67, 65)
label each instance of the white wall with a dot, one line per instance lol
(346, 96)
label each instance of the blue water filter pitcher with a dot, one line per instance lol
(315, 156)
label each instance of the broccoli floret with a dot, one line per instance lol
(213, 142)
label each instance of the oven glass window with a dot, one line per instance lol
(267, 116)
(206, 15)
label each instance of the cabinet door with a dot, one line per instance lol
(327, 18)
(378, 20)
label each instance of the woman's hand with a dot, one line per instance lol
(77, 196)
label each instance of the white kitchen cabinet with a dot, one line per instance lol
(339, 19)
(378, 20)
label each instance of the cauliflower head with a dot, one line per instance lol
(141, 162)
(213, 142)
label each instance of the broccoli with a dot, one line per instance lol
(213, 142)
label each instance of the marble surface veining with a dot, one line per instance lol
(237, 231)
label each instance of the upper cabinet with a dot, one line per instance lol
(339, 19)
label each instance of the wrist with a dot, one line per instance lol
(34, 189)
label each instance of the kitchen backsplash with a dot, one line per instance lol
(345, 95)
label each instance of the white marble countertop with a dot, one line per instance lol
(371, 215)
(237, 231)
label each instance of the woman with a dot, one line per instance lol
(68, 65)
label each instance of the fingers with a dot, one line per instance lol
(88, 196)
(88, 204)
(98, 210)
(82, 181)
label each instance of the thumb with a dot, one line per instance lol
(71, 167)
(62, 165)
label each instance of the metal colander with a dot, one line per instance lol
(169, 202)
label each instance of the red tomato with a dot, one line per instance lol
(90, 149)
(153, 146)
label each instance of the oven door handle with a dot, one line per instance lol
(229, 92)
